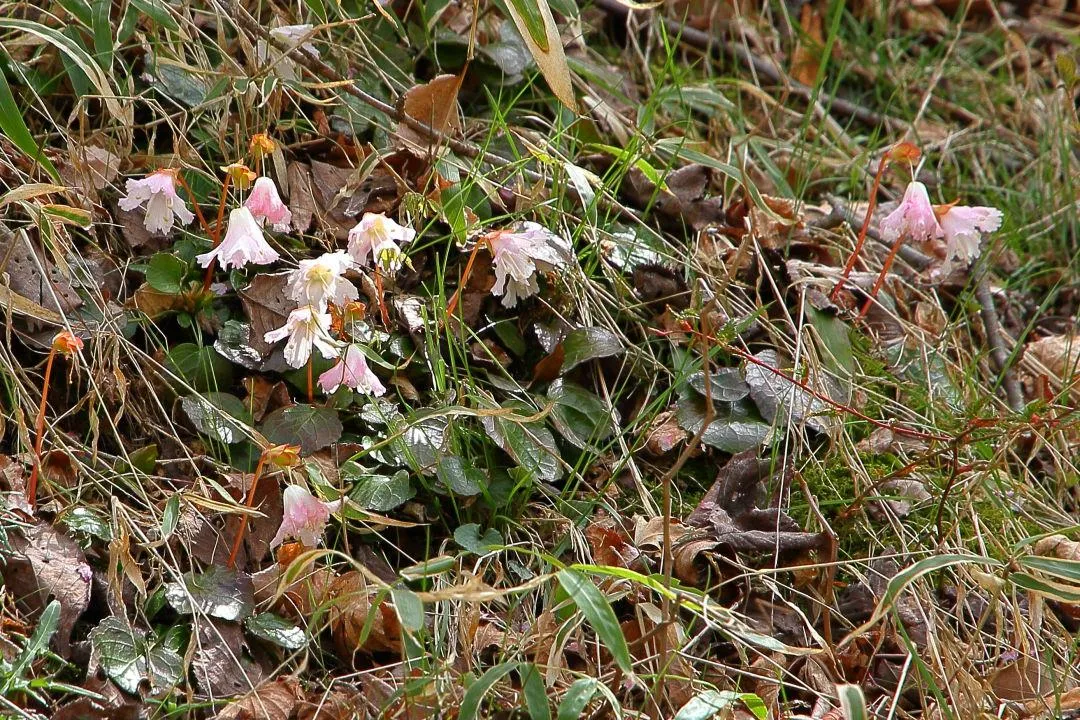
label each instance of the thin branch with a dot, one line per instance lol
(999, 354)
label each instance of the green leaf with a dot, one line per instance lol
(156, 11)
(532, 686)
(725, 384)
(103, 37)
(128, 660)
(575, 699)
(531, 445)
(409, 607)
(165, 273)
(47, 624)
(68, 215)
(852, 702)
(589, 343)
(597, 610)
(218, 592)
(277, 630)
(200, 367)
(1065, 569)
(14, 127)
(309, 426)
(145, 458)
(380, 493)
(84, 519)
(468, 537)
(474, 695)
(579, 415)
(219, 415)
(459, 478)
(710, 702)
(835, 341)
(1055, 591)
(171, 516)
(534, 21)
(733, 430)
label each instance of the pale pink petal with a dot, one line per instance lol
(321, 280)
(963, 227)
(157, 193)
(304, 517)
(306, 328)
(913, 218)
(243, 244)
(266, 206)
(379, 236)
(352, 371)
(516, 257)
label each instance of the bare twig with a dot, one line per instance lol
(999, 354)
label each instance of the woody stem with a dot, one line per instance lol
(864, 230)
(243, 518)
(452, 305)
(215, 236)
(39, 430)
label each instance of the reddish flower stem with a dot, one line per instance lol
(379, 291)
(39, 430)
(881, 276)
(452, 305)
(215, 236)
(864, 230)
(243, 518)
(194, 203)
(310, 383)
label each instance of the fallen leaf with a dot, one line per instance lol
(534, 21)
(351, 625)
(131, 661)
(24, 265)
(41, 563)
(806, 57)
(301, 198)
(780, 399)
(1057, 546)
(275, 700)
(220, 664)
(217, 592)
(267, 305)
(435, 104)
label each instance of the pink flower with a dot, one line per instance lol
(963, 227)
(516, 256)
(265, 204)
(157, 191)
(380, 236)
(304, 517)
(244, 243)
(352, 370)
(306, 327)
(913, 218)
(322, 280)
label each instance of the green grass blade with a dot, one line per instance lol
(470, 703)
(14, 127)
(597, 610)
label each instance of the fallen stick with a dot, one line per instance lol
(999, 354)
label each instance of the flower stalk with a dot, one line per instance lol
(68, 344)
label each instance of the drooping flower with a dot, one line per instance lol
(306, 327)
(352, 370)
(379, 236)
(304, 517)
(266, 205)
(914, 218)
(321, 280)
(67, 343)
(157, 192)
(243, 244)
(516, 257)
(963, 227)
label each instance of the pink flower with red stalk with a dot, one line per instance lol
(381, 237)
(322, 280)
(304, 517)
(352, 371)
(306, 327)
(914, 218)
(243, 244)
(157, 192)
(266, 206)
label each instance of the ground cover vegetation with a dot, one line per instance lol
(501, 358)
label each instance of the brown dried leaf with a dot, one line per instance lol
(267, 305)
(42, 563)
(806, 58)
(435, 104)
(664, 434)
(219, 664)
(264, 396)
(1058, 546)
(309, 591)
(270, 701)
(353, 604)
(301, 199)
(23, 265)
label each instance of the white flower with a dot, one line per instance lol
(321, 280)
(914, 217)
(382, 237)
(304, 517)
(516, 257)
(292, 35)
(963, 227)
(265, 204)
(352, 370)
(305, 327)
(243, 244)
(157, 191)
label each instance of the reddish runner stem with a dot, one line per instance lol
(39, 430)
(243, 518)
(881, 276)
(452, 305)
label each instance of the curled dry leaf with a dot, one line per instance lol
(270, 701)
(267, 305)
(298, 600)
(435, 104)
(24, 266)
(354, 601)
(664, 434)
(42, 563)
(1058, 546)
(220, 665)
